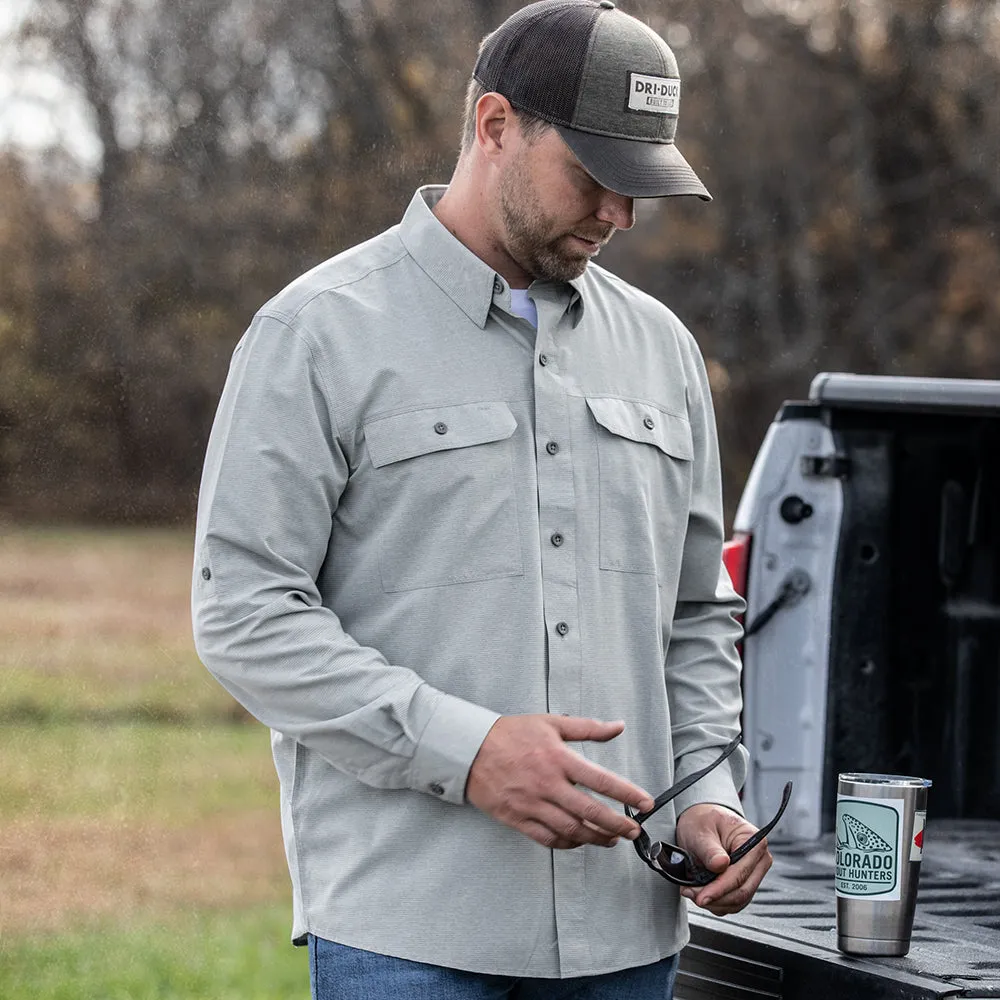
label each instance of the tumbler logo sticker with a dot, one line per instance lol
(868, 847)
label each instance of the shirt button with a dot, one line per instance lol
(206, 573)
(562, 628)
(648, 423)
(556, 539)
(552, 447)
(440, 428)
(543, 359)
(497, 285)
(436, 788)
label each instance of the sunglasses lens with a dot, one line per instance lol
(671, 861)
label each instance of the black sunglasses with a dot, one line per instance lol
(673, 862)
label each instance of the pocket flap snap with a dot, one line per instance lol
(642, 422)
(438, 428)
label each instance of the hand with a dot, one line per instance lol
(525, 777)
(709, 833)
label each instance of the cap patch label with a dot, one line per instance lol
(658, 95)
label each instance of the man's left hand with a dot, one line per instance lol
(709, 833)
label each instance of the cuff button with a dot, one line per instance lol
(436, 788)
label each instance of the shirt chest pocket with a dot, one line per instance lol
(644, 470)
(445, 482)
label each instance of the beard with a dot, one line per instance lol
(534, 241)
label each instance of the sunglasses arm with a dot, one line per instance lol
(747, 846)
(674, 790)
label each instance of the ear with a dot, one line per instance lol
(495, 124)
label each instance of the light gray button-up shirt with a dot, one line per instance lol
(416, 515)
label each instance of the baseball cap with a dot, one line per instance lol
(606, 81)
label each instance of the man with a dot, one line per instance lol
(459, 546)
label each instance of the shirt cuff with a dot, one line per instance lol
(717, 786)
(448, 745)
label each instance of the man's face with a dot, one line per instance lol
(555, 216)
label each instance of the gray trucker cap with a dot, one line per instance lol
(607, 82)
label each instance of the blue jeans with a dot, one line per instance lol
(341, 973)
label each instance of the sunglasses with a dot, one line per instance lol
(673, 862)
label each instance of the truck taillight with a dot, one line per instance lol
(736, 556)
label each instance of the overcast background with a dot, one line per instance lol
(167, 166)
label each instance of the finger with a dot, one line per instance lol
(541, 834)
(555, 829)
(588, 810)
(710, 832)
(573, 727)
(604, 782)
(736, 887)
(708, 849)
(572, 827)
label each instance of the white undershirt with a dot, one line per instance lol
(523, 305)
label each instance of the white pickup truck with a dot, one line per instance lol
(867, 544)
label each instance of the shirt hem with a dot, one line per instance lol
(494, 970)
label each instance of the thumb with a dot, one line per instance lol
(700, 829)
(707, 848)
(574, 728)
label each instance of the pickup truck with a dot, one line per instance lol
(867, 545)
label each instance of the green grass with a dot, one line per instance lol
(149, 772)
(140, 850)
(216, 956)
(97, 685)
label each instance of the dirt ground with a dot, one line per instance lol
(59, 875)
(101, 615)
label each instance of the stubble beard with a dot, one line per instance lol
(528, 230)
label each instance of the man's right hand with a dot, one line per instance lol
(526, 777)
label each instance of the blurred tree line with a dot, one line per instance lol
(852, 147)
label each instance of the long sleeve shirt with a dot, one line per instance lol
(419, 514)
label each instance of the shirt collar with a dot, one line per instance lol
(468, 281)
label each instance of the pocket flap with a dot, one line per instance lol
(420, 432)
(644, 423)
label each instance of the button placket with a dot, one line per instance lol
(557, 517)
(557, 513)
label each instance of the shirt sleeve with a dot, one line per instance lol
(274, 473)
(702, 665)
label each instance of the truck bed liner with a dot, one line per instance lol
(784, 945)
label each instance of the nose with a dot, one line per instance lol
(618, 209)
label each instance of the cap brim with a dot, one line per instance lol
(634, 168)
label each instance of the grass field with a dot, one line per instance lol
(140, 848)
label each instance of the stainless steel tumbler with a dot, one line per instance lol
(879, 842)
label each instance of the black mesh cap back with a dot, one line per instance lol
(536, 57)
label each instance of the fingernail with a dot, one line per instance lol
(612, 842)
(687, 893)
